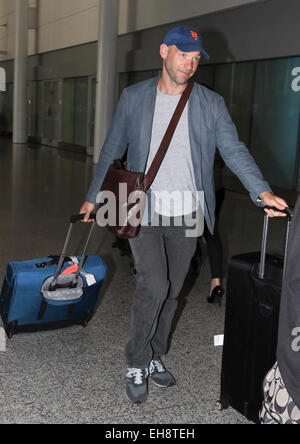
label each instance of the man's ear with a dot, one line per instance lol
(164, 49)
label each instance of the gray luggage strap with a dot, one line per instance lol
(67, 289)
(73, 220)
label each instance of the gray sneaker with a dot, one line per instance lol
(137, 384)
(160, 375)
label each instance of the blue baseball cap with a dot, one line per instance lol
(186, 39)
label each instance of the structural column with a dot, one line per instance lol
(20, 73)
(106, 71)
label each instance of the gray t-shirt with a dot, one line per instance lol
(174, 185)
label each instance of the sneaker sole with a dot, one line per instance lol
(135, 402)
(163, 386)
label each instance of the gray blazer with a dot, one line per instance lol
(210, 126)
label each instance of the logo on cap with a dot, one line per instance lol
(194, 35)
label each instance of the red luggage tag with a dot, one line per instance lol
(90, 278)
(70, 270)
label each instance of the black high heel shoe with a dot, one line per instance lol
(216, 295)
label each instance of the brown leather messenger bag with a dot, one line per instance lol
(124, 191)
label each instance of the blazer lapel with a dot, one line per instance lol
(146, 123)
(198, 142)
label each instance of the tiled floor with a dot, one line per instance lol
(76, 375)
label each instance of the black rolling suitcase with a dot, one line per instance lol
(251, 327)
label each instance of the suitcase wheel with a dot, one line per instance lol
(11, 329)
(84, 323)
(87, 319)
(222, 405)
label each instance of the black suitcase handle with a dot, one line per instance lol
(289, 212)
(54, 261)
(76, 217)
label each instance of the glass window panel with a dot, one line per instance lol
(56, 111)
(205, 75)
(130, 78)
(39, 117)
(8, 107)
(242, 97)
(93, 112)
(123, 81)
(47, 123)
(139, 76)
(51, 111)
(2, 113)
(223, 81)
(276, 121)
(33, 108)
(80, 111)
(68, 110)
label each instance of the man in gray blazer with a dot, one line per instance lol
(162, 254)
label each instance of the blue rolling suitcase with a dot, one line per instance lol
(53, 292)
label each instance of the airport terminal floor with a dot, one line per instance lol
(76, 375)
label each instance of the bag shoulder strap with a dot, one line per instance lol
(162, 150)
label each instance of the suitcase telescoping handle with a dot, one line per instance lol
(262, 265)
(75, 218)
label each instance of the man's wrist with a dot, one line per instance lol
(265, 193)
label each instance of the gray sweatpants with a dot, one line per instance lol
(162, 258)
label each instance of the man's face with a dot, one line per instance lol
(179, 66)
